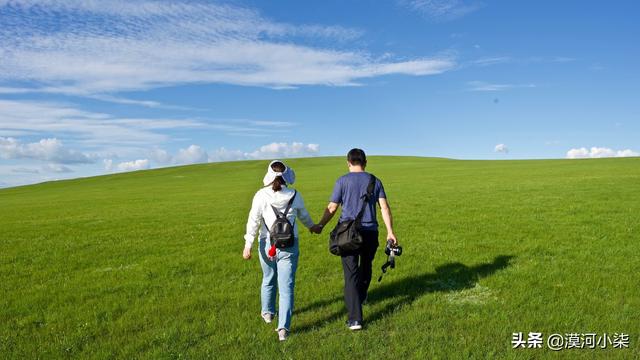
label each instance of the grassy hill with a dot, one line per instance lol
(148, 264)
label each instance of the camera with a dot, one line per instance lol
(392, 251)
(396, 250)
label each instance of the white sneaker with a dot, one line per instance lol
(354, 325)
(283, 334)
(268, 317)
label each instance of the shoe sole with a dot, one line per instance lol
(355, 327)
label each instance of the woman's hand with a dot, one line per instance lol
(246, 253)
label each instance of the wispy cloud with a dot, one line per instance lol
(502, 59)
(84, 128)
(56, 168)
(48, 168)
(115, 45)
(549, 59)
(442, 10)
(106, 133)
(72, 91)
(25, 170)
(493, 60)
(485, 86)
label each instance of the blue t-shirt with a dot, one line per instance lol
(348, 192)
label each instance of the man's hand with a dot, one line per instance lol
(246, 253)
(316, 229)
(392, 237)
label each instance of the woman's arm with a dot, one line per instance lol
(253, 224)
(301, 211)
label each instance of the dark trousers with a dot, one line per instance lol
(357, 274)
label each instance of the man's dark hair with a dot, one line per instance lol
(276, 185)
(357, 157)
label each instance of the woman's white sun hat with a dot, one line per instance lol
(288, 174)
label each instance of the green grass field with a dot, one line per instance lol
(148, 264)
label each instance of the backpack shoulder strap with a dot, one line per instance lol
(286, 211)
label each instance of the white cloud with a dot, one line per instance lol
(194, 154)
(484, 86)
(108, 164)
(284, 150)
(116, 45)
(126, 166)
(599, 152)
(108, 135)
(442, 10)
(223, 154)
(160, 156)
(46, 149)
(501, 148)
(627, 153)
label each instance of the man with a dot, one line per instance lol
(348, 192)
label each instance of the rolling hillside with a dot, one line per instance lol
(148, 264)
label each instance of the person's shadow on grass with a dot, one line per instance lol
(449, 277)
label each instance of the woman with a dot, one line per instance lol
(278, 265)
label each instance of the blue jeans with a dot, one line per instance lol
(280, 273)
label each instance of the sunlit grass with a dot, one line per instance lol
(148, 264)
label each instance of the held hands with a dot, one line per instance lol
(316, 229)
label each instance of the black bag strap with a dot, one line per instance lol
(286, 211)
(365, 199)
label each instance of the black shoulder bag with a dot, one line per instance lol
(346, 235)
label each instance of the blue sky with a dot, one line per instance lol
(95, 87)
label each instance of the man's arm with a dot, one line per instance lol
(388, 219)
(326, 217)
